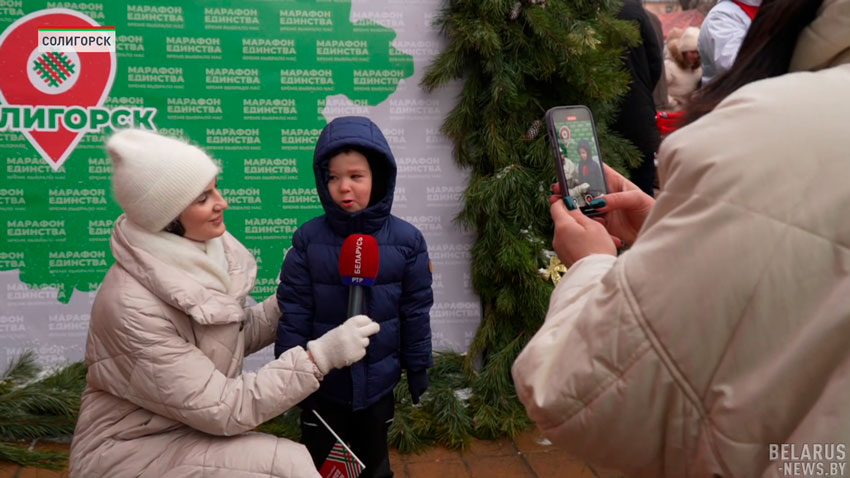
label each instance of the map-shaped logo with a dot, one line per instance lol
(50, 88)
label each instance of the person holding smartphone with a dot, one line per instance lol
(718, 342)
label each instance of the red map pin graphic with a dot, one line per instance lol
(29, 77)
(565, 134)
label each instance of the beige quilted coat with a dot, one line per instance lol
(165, 392)
(726, 328)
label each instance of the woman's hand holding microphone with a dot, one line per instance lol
(344, 345)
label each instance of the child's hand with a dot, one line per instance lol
(344, 345)
(417, 383)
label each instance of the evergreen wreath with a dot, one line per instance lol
(516, 59)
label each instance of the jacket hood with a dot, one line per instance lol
(826, 41)
(360, 134)
(178, 289)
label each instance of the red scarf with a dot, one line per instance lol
(750, 10)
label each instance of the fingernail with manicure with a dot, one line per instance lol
(570, 202)
(598, 203)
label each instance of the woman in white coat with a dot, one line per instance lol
(170, 325)
(716, 346)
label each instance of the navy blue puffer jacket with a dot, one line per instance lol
(313, 299)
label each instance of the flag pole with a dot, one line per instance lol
(338, 438)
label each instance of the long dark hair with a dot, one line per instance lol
(765, 52)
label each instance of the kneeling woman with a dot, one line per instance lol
(165, 393)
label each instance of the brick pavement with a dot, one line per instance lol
(526, 456)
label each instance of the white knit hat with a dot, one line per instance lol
(156, 177)
(688, 42)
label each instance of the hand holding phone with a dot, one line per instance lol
(577, 235)
(577, 156)
(626, 206)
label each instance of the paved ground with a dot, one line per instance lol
(527, 456)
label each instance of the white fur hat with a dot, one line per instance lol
(156, 177)
(688, 42)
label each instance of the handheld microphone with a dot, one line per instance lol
(358, 267)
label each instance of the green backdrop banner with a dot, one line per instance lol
(252, 82)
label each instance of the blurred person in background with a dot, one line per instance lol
(682, 68)
(721, 35)
(659, 94)
(636, 119)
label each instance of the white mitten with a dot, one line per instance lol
(344, 345)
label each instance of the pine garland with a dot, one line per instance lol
(33, 408)
(516, 60)
(20, 455)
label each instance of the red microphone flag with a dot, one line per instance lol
(359, 260)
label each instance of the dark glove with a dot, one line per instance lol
(417, 383)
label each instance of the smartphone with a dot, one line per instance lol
(578, 160)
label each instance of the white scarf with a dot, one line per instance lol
(203, 261)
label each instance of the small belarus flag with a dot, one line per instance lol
(341, 461)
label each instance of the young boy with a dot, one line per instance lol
(355, 178)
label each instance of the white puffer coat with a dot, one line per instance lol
(165, 392)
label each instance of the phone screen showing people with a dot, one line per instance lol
(573, 132)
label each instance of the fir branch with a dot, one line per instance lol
(32, 408)
(408, 431)
(38, 399)
(449, 370)
(449, 417)
(30, 427)
(286, 425)
(401, 434)
(52, 460)
(484, 336)
(514, 66)
(487, 420)
(449, 65)
(20, 369)
(71, 378)
(422, 423)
